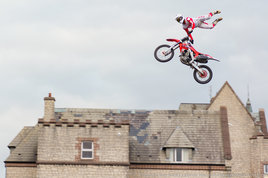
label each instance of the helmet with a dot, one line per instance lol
(179, 18)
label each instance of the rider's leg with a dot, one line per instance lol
(207, 17)
(204, 17)
(206, 25)
(209, 26)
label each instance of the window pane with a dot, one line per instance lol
(87, 145)
(178, 154)
(87, 154)
(266, 169)
(185, 154)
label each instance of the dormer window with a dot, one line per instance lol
(181, 155)
(178, 147)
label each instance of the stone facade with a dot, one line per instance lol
(21, 172)
(259, 156)
(81, 171)
(63, 144)
(241, 129)
(59, 150)
(145, 173)
(224, 139)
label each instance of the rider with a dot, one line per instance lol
(197, 22)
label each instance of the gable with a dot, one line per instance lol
(227, 97)
(178, 139)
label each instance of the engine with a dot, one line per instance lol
(185, 57)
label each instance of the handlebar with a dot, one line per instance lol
(185, 39)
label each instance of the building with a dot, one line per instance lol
(220, 139)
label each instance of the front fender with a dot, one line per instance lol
(173, 40)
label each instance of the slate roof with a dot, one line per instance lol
(199, 129)
(25, 131)
(24, 146)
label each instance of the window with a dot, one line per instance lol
(265, 168)
(179, 155)
(87, 150)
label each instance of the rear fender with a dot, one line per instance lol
(211, 58)
(214, 59)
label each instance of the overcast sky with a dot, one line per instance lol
(99, 54)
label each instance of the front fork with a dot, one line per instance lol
(172, 48)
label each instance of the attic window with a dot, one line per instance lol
(179, 155)
(87, 150)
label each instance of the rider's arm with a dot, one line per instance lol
(191, 21)
(189, 34)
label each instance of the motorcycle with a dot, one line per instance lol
(188, 56)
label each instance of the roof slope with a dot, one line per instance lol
(198, 128)
(25, 131)
(25, 146)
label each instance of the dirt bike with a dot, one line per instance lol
(188, 56)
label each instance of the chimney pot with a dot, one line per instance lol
(49, 95)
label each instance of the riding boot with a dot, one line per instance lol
(216, 12)
(217, 20)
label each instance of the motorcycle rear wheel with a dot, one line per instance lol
(205, 77)
(159, 53)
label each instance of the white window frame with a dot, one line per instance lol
(265, 168)
(88, 150)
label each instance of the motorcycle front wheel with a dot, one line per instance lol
(163, 53)
(205, 77)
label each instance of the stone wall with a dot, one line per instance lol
(151, 173)
(259, 156)
(20, 172)
(62, 144)
(81, 171)
(241, 129)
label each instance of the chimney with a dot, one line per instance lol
(49, 108)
